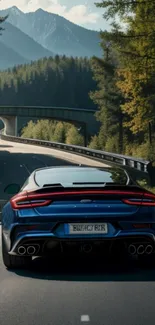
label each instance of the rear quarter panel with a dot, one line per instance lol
(9, 216)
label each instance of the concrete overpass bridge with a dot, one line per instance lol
(16, 117)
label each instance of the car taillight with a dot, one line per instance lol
(25, 201)
(33, 199)
(142, 225)
(147, 199)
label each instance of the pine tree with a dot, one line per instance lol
(28, 130)
(74, 137)
(108, 99)
(51, 82)
(59, 133)
(136, 47)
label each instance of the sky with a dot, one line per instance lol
(81, 12)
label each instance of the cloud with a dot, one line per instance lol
(79, 14)
(4, 4)
(49, 5)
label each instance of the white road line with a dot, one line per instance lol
(85, 318)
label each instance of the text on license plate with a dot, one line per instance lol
(88, 228)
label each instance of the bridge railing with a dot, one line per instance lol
(137, 166)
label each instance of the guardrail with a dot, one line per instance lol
(139, 166)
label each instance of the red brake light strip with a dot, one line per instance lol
(143, 202)
(28, 197)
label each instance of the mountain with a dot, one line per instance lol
(55, 33)
(9, 57)
(17, 48)
(22, 43)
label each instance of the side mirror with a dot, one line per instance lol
(12, 189)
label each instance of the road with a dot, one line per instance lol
(69, 292)
(17, 161)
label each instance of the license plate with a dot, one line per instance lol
(88, 228)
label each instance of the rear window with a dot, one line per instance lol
(68, 176)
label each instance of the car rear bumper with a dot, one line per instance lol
(42, 244)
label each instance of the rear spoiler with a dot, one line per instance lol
(61, 189)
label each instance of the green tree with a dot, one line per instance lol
(94, 143)
(59, 133)
(136, 47)
(42, 130)
(53, 131)
(135, 74)
(55, 82)
(28, 130)
(108, 98)
(74, 137)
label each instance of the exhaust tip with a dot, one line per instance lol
(149, 249)
(31, 250)
(132, 249)
(140, 250)
(21, 250)
(87, 248)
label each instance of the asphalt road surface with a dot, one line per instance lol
(17, 161)
(69, 292)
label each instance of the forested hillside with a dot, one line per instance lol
(125, 77)
(121, 84)
(58, 81)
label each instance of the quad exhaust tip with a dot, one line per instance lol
(141, 249)
(31, 250)
(148, 249)
(87, 248)
(132, 249)
(21, 250)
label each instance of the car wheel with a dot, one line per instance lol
(13, 262)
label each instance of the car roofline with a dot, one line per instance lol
(79, 166)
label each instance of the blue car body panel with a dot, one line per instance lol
(51, 222)
(43, 216)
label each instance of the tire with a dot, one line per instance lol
(14, 262)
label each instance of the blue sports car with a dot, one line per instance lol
(77, 211)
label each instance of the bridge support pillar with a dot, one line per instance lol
(10, 125)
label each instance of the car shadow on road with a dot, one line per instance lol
(16, 167)
(89, 271)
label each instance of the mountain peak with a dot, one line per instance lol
(55, 33)
(15, 10)
(41, 11)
